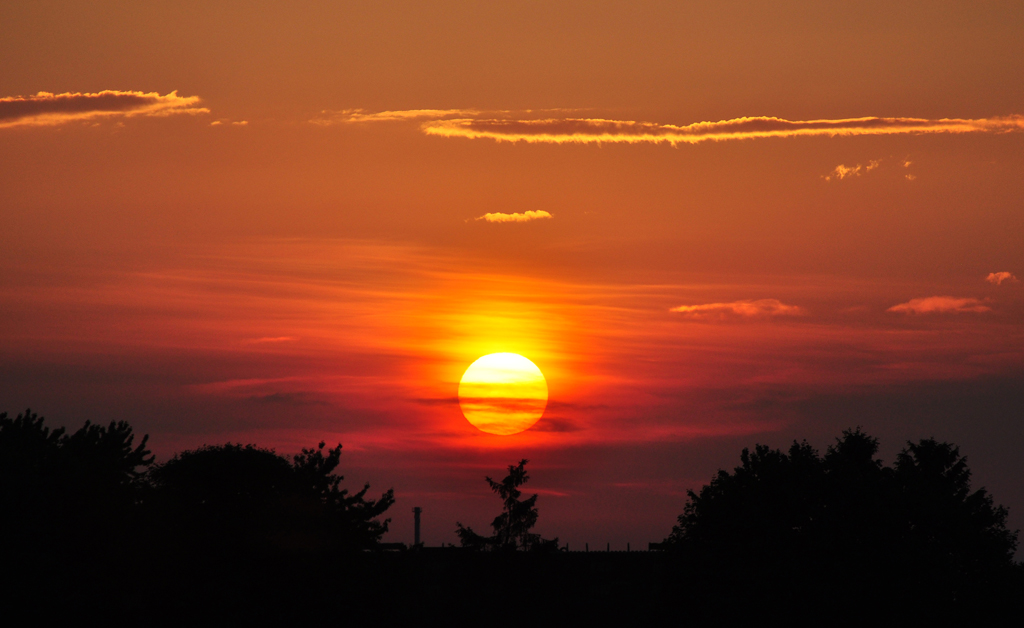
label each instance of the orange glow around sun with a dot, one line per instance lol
(503, 394)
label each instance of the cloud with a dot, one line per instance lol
(596, 130)
(999, 278)
(361, 115)
(748, 309)
(558, 425)
(940, 305)
(275, 339)
(348, 116)
(289, 399)
(842, 171)
(46, 109)
(516, 217)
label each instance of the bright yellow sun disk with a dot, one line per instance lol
(503, 393)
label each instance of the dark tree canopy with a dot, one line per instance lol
(92, 476)
(71, 509)
(845, 522)
(518, 516)
(91, 528)
(251, 494)
(97, 483)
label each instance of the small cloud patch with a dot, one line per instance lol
(843, 171)
(940, 305)
(516, 217)
(1000, 277)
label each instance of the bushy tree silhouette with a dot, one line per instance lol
(71, 518)
(96, 483)
(29, 453)
(48, 477)
(215, 536)
(958, 536)
(785, 528)
(244, 494)
(352, 513)
(518, 516)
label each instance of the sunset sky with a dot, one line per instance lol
(709, 224)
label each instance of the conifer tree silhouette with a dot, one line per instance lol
(518, 516)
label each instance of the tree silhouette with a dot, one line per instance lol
(49, 478)
(244, 495)
(72, 514)
(29, 454)
(354, 514)
(957, 533)
(783, 528)
(518, 516)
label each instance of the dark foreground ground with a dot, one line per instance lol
(93, 534)
(180, 587)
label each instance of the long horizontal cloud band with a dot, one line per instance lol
(585, 131)
(46, 109)
(758, 308)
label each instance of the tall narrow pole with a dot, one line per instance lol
(416, 518)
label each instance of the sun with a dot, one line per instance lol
(503, 393)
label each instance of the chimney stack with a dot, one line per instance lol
(416, 518)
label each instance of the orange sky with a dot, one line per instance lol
(709, 224)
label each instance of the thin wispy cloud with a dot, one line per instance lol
(1000, 277)
(516, 217)
(746, 309)
(361, 115)
(271, 340)
(352, 116)
(598, 131)
(842, 171)
(47, 109)
(940, 305)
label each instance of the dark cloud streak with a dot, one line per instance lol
(47, 109)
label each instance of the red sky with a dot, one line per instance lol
(286, 222)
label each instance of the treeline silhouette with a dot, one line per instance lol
(92, 528)
(91, 525)
(806, 533)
